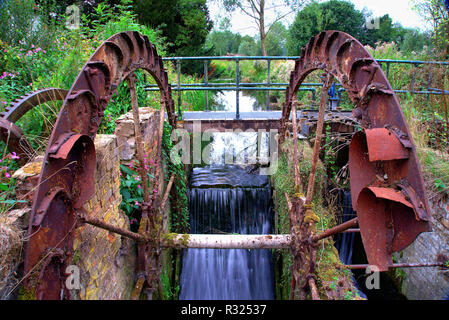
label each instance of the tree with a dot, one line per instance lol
(184, 23)
(257, 10)
(387, 32)
(16, 21)
(436, 12)
(248, 46)
(275, 41)
(222, 41)
(414, 40)
(317, 17)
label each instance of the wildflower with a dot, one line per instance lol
(131, 165)
(136, 203)
(139, 186)
(7, 175)
(137, 178)
(14, 156)
(154, 191)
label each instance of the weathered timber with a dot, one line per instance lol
(399, 265)
(337, 229)
(211, 241)
(298, 186)
(121, 231)
(318, 137)
(224, 241)
(167, 192)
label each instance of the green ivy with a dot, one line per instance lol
(180, 212)
(132, 192)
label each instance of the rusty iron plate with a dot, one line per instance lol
(383, 145)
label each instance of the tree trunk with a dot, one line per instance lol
(263, 35)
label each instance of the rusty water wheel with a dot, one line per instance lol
(387, 186)
(11, 134)
(66, 181)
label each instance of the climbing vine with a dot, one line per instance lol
(179, 214)
(180, 206)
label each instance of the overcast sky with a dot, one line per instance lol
(399, 10)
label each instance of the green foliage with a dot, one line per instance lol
(223, 42)
(276, 40)
(166, 286)
(343, 16)
(316, 17)
(386, 32)
(120, 103)
(20, 22)
(414, 41)
(247, 46)
(180, 205)
(184, 23)
(132, 191)
(435, 12)
(282, 182)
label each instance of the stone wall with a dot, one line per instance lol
(149, 122)
(106, 260)
(430, 283)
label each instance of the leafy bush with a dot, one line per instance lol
(132, 191)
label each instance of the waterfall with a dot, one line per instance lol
(345, 241)
(228, 199)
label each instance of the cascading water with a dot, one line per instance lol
(345, 241)
(229, 199)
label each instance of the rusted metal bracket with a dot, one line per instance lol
(344, 227)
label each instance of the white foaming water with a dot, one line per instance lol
(242, 148)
